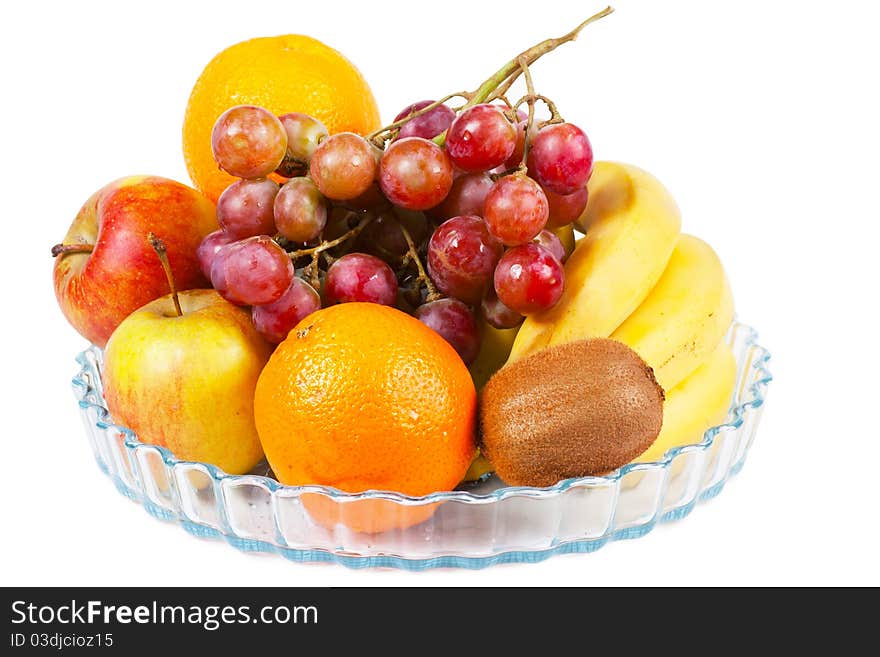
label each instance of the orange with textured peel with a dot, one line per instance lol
(362, 397)
(288, 73)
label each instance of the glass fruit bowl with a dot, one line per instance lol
(478, 525)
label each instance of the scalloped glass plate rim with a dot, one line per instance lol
(754, 398)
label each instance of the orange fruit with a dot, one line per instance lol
(289, 73)
(361, 397)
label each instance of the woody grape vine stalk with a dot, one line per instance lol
(493, 88)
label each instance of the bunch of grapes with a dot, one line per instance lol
(446, 213)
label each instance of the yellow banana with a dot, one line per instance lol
(631, 224)
(566, 236)
(697, 403)
(684, 317)
(479, 466)
(495, 345)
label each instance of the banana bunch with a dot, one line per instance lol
(634, 277)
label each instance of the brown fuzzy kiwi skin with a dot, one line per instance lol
(572, 410)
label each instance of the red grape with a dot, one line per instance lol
(275, 320)
(497, 314)
(455, 322)
(248, 141)
(415, 173)
(300, 210)
(462, 255)
(383, 236)
(339, 221)
(552, 243)
(251, 272)
(516, 157)
(565, 209)
(561, 158)
(343, 166)
(428, 125)
(370, 199)
(480, 138)
(516, 209)
(244, 209)
(529, 279)
(360, 277)
(218, 270)
(467, 196)
(415, 222)
(304, 133)
(209, 246)
(412, 291)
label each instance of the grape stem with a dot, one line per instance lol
(413, 254)
(79, 247)
(527, 132)
(555, 116)
(323, 246)
(159, 247)
(493, 88)
(498, 84)
(501, 92)
(310, 272)
(409, 117)
(293, 167)
(512, 69)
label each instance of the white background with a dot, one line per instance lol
(761, 117)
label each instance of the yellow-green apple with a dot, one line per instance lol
(105, 269)
(186, 381)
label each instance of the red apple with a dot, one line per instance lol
(115, 271)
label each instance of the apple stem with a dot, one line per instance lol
(62, 249)
(159, 247)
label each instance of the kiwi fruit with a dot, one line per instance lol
(577, 409)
